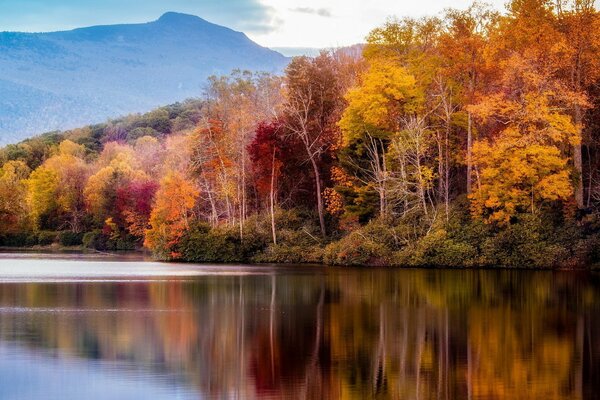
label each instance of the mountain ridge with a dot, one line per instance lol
(64, 79)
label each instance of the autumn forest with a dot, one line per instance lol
(462, 140)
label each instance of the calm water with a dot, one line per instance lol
(105, 328)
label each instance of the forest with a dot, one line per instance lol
(468, 139)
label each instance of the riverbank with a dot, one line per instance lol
(58, 251)
(542, 241)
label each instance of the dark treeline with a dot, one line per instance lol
(467, 139)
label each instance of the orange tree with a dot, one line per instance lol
(170, 214)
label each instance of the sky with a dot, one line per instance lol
(271, 23)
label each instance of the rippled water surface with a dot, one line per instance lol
(99, 327)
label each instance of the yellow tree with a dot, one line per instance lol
(13, 192)
(170, 214)
(120, 168)
(378, 112)
(57, 186)
(526, 115)
(72, 172)
(517, 178)
(523, 166)
(42, 187)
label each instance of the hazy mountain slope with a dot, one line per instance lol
(60, 80)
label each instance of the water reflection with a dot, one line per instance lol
(306, 334)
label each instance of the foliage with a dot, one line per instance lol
(469, 139)
(45, 238)
(200, 243)
(170, 216)
(69, 238)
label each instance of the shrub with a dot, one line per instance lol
(357, 249)
(203, 244)
(438, 249)
(289, 254)
(526, 243)
(94, 240)
(372, 244)
(69, 238)
(45, 238)
(18, 240)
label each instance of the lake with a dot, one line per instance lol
(105, 327)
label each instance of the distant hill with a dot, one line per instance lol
(353, 50)
(61, 80)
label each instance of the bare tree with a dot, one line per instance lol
(312, 105)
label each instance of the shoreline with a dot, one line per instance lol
(145, 255)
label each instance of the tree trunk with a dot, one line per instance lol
(469, 146)
(440, 166)
(382, 183)
(578, 162)
(447, 173)
(578, 119)
(588, 200)
(319, 195)
(272, 195)
(243, 193)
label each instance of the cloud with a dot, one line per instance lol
(321, 12)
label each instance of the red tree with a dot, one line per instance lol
(134, 204)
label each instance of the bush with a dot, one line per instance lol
(529, 242)
(18, 240)
(288, 254)
(356, 249)
(203, 244)
(372, 244)
(45, 238)
(69, 238)
(120, 243)
(438, 249)
(298, 238)
(94, 240)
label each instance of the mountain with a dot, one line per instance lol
(298, 51)
(60, 80)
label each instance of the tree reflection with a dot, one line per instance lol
(332, 334)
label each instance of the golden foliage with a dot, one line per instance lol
(174, 201)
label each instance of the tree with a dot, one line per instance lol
(515, 178)
(412, 178)
(120, 168)
(523, 166)
(312, 103)
(213, 164)
(170, 215)
(72, 172)
(42, 187)
(580, 24)
(377, 110)
(13, 192)
(265, 154)
(462, 48)
(134, 204)
(236, 103)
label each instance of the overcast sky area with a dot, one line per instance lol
(272, 23)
